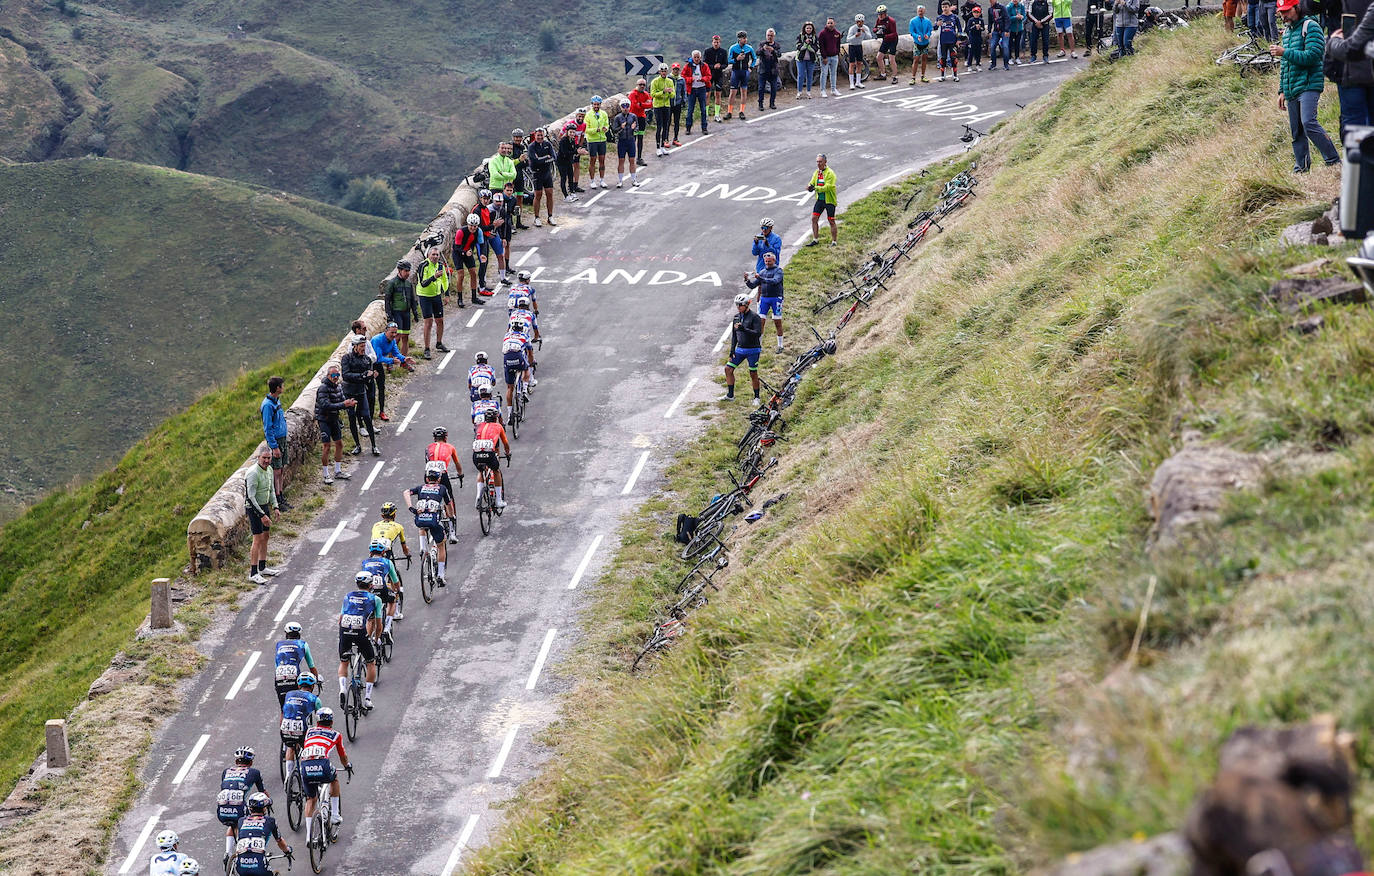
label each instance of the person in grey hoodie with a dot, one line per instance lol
(1125, 21)
(854, 44)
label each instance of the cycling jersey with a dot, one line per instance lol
(321, 742)
(166, 864)
(525, 316)
(250, 851)
(234, 785)
(518, 290)
(292, 657)
(296, 711)
(430, 502)
(359, 606)
(493, 432)
(948, 25)
(442, 451)
(741, 58)
(389, 530)
(482, 405)
(477, 371)
(513, 348)
(598, 123)
(382, 569)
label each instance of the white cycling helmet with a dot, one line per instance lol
(473, 219)
(523, 276)
(363, 579)
(481, 358)
(522, 301)
(484, 391)
(435, 467)
(167, 840)
(741, 298)
(293, 630)
(189, 867)
(765, 222)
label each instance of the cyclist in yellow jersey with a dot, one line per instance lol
(598, 123)
(389, 529)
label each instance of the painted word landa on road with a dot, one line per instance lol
(943, 107)
(591, 277)
(725, 192)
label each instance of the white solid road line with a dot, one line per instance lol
(286, 606)
(143, 835)
(693, 142)
(190, 759)
(800, 240)
(594, 198)
(539, 661)
(721, 343)
(333, 536)
(410, 415)
(586, 561)
(463, 838)
(682, 395)
(243, 675)
(451, 353)
(634, 475)
(472, 322)
(376, 470)
(774, 114)
(889, 178)
(520, 263)
(866, 93)
(495, 771)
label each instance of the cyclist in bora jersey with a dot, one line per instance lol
(486, 401)
(166, 861)
(477, 372)
(291, 659)
(386, 582)
(442, 451)
(316, 768)
(235, 783)
(491, 436)
(296, 713)
(517, 355)
(359, 622)
(390, 530)
(254, 831)
(430, 502)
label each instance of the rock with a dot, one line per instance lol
(1322, 225)
(1302, 235)
(1189, 487)
(1296, 293)
(1308, 325)
(1163, 855)
(111, 680)
(1308, 269)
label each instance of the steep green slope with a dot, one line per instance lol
(129, 289)
(904, 669)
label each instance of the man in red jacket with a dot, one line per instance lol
(697, 74)
(640, 102)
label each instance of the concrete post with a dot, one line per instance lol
(160, 617)
(58, 753)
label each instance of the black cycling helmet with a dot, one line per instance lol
(388, 510)
(403, 265)
(440, 433)
(259, 802)
(491, 416)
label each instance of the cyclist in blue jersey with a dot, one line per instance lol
(166, 861)
(432, 504)
(477, 372)
(255, 830)
(296, 714)
(386, 582)
(235, 784)
(486, 401)
(359, 622)
(292, 657)
(525, 314)
(517, 355)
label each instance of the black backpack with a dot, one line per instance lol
(686, 528)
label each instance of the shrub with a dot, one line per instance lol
(548, 35)
(373, 196)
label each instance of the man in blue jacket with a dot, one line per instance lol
(921, 30)
(768, 280)
(387, 353)
(274, 433)
(765, 242)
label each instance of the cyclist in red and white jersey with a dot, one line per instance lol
(317, 768)
(477, 372)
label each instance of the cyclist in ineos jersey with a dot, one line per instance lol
(442, 451)
(359, 623)
(491, 436)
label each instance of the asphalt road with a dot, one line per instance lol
(635, 289)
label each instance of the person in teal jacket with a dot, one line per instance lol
(921, 29)
(1301, 83)
(1016, 29)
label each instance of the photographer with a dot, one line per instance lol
(765, 242)
(1093, 28)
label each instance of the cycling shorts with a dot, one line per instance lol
(514, 371)
(486, 459)
(346, 641)
(770, 305)
(494, 241)
(330, 430)
(230, 815)
(751, 354)
(543, 179)
(467, 259)
(856, 54)
(826, 207)
(315, 772)
(888, 47)
(435, 530)
(255, 526)
(386, 594)
(402, 320)
(739, 79)
(432, 307)
(595, 149)
(242, 868)
(1063, 25)
(624, 149)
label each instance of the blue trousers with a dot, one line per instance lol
(1303, 124)
(696, 98)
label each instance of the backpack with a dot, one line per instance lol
(686, 528)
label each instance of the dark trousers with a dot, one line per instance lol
(381, 385)
(768, 82)
(677, 120)
(1356, 103)
(1040, 35)
(372, 394)
(565, 177)
(361, 413)
(662, 118)
(1014, 38)
(696, 99)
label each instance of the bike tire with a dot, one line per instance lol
(318, 843)
(515, 418)
(704, 537)
(352, 708)
(295, 800)
(426, 586)
(281, 760)
(656, 641)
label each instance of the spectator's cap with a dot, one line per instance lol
(859, 17)
(1285, 5)
(677, 66)
(741, 35)
(518, 132)
(715, 36)
(663, 67)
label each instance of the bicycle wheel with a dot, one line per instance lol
(388, 649)
(426, 582)
(318, 842)
(656, 641)
(281, 760)
(484, 508)
(516, 415)
(295, 800)
(352, 709)
(703, 538)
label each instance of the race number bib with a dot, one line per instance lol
(287, 672)
(229, 797)
(292, 726)
(483, 445)
(251, 845)
(354, 622)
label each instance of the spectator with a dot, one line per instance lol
(697, 75)
(746, 340)
(765, 242)
(1016, 29)
(1040, 16)
(623, 128)
(974, 30)
(808, 52)
(1092, 26)
(274, 433)
(830, 39)
(470, 251)
(742, 59)
(598, 124)
(950, 31)
(1252, 17)
(566, 157)
(401, 304)
(769, 54)
(823, 184)
(718, 60)
(580, 126)
(499, 241)
(921, 30)
(885, 32)
(661, 92)
(359, 329)
(493, 219)
(1125, 20)
(1063, 25)
(523, 183)
(1300, 84)
(1228, 14)
(641, 101)
(387, 356)
(1352, 70)
(329, 400)
(356, 368)
(500, 167)
(542, 158)
(768, 280)
(433, 286)
(854, 41)
(675, 105)
(997, 29)
(261, 496)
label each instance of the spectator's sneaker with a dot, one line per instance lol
(924, 79)
(485, 291)
(568, 199)
(537, 223)
(283, 505)
(942, 77)
(894, 80)
(634, 182)
(1060, 55)
(756, 402)
(851, 86)
(383, 417)
(375, 451)
(441, 348)
(834, 92)
(1073, 54)
(620, 184)
(356, 451)
(798, 96)
(729, 396)
(426, 354)
(270, 572)
(728, 116)
(741, 115)
(506, 280)
(1046, 61)
(643, 163)
(1087, 53)
(343, 475)
(328, 480)
(257, 579)
(956, 76)
(836, 242)
(913, 80)
(551, 222)
(677, 143)
(860, 85)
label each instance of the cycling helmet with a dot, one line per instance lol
(830, 347)
(739, 35)
(484, 390)
(258, 802)
(388, 510)
(435, 469)
(379, 546)
(439, 433)
(765, 222)
(403, 265)
(523, 276)
(325, 717)
(481, 358)
(518, 132)
(624, 104)
(292, 630)
(167, 840)
(859, 17)
(189, 867)
(741, 298)
(882, 8)
(596, 98)
(491, 416)
(473, 220)
(244, 753)
(522, 301)
(484, 193)
(363, 579)
(306, 680)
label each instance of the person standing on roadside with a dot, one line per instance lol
(854, 44)
(770, 53)
(808, 53)
(359, 329)
(948, 23)
(1040, 17)
(1016, 29)
(1353, 72)
(675, 106)
(885, 31)
(765, 242)
(641, 101)
(470, 251)
(1125, 20)
(1093, 29)
(598, 124)
(997, 34)
(401, 304)
(501, 167)
(823, 184)
(356, 368)
(746, 343)
(718, 60)
(1300, 84)
(433, 286)
(697, 75)
(329, 400)
(274, 433)
(661, 93)
(768, 280)
(623, 128)
(519, 153)
(1063, 25)
(831, 41)
(542, 158)
(579, 124)
(974, 30)
(922, 29)
(742, 59)
(386, 356)
(567, 153)
(261, 498)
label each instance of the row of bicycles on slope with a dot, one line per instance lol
(705, 535)
(1252, 57)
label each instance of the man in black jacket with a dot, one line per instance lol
(542, 157)
(329, 400)
(717, 58)
(1349, 67)
(402, 307)
(356, 368)
(746, 342)
(1040, 16)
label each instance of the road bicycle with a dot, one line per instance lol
(760, 420)
(693, 595)
(324, 832)
(231, 867)
(711, 520)
(823, 347)
(353, 708)
(848, 315)
(486, 497)
(664, 632)
(429, 565)
(295, 790)
(519, 398)
(753, 457)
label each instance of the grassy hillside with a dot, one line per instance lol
(916, 661)
(130, 289)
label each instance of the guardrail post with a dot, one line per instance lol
(160, 616)
(58, 753)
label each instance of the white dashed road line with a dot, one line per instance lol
(773, 114)
(539, 661)
(333, 536)
(376, 470)
(451, 353)
(692, 142)
(190, 759)
(634, 475)
(286, 606)
(410, 415)
(586, 561)
(520, 262)
(243, 675)
(677, 401)
(463, 838)
(721, 343)
(143, 835)
(495, 771)
(476, 316)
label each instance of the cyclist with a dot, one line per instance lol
(490, 436)
(480, 369)
(291, 659)
(166, 861)
(255, 829)
(524, 312)
(390, 530)
(189, 867)
(385, 580)
(358, 622)
(316, 768)
(485, 402)
(518, 357)
(522, 287)
(598, 124)
(296, 713)
(442, 451)
(430, 502)
(235, 783)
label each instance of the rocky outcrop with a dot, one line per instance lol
(1190, 486)
(1163, 855)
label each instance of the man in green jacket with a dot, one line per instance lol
(501, 167)
(823, 184)
(260, 496)
(661, 91)
(431, 290)
(1300, 84)
(401, 304)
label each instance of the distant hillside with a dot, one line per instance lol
(131, 290)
